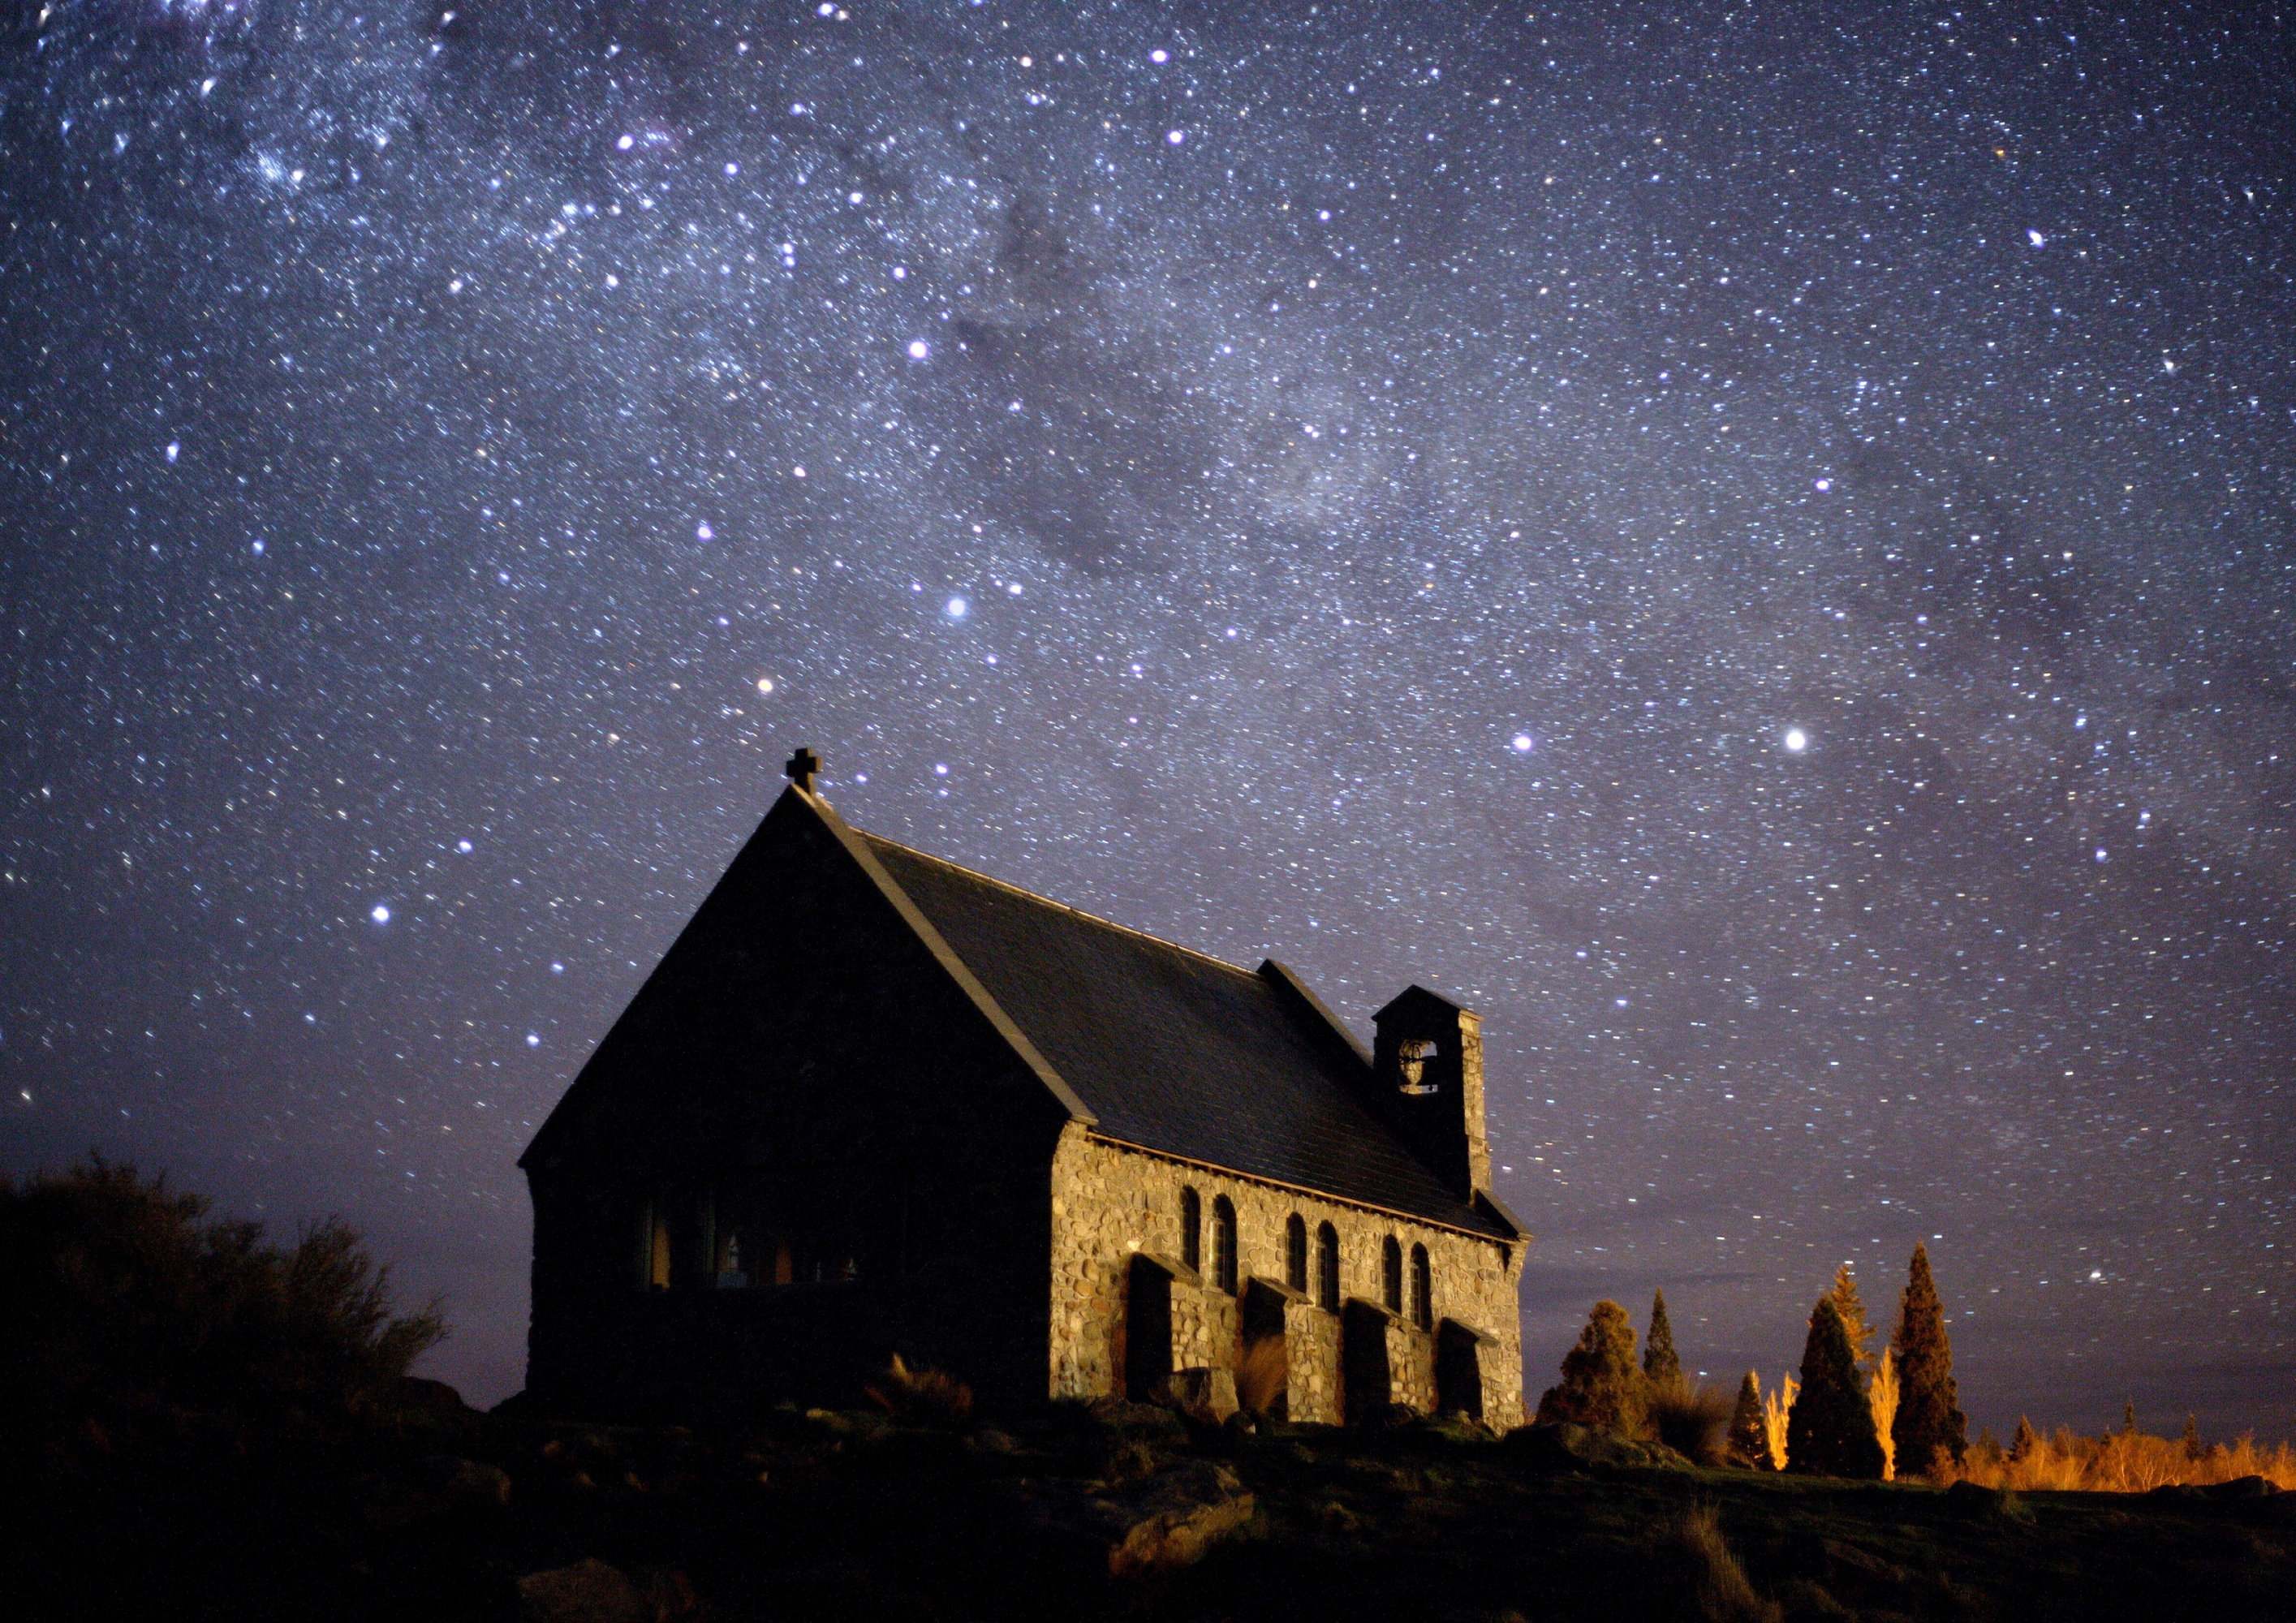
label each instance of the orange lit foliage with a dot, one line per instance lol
(2123, 1463)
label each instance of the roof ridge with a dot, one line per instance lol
(1059, 905)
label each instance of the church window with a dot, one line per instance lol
(1327, 1267)
(1423, 1290)
(732, 1275)
(654, 1246)
(1295, 1251)
(1223, 1259)
(1191, 1229)
(1391, 1274)
(1411, 1060)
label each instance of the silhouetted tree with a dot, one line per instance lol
(1599, 1386)
(1831, 1430)
(2194, 1447)
(1659, 1362)
(1843, 1294)
(130, 1312)
(1750, 1442)
(1928, 1418)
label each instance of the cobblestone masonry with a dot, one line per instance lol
(1109, 1200)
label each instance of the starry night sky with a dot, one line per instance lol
(1751, 542)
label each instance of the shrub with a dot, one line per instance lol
(133, 1315)
(1691, 1421)
(922, 1397)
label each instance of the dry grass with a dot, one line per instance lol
(2126, 1462)
(1720, 1591)
(922, 1397)
(1691, 1421)
(1261, 1374)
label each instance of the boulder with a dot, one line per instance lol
(1205, 1394)
(1153, 1524)
(1567, 1446)
(456, 1485)
(588, 1592)
(2242, 1487)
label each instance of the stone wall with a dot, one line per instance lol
(1109, 1201)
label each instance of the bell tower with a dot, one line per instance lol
(1428, 1070)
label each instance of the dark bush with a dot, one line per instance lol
(132, 1316)
(1693, 1422)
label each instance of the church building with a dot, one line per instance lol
(872, 1102)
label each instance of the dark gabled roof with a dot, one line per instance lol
(1176, 1052)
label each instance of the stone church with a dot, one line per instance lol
(872, 1103)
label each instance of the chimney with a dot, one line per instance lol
(1428, 1069)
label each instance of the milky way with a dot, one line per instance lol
(1754, 547)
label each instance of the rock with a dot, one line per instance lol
(2242, 1487)
(2177, 1491)
(1982, 1504)
(1568, 1445)
(1158, 1522)
(413, 1395)
(1207, 1394)
(988, 1439)
(588, 1592)
(460, 1485)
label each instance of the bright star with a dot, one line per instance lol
(957, 608)
(2037, 238)
(764, 684)
(380, 913)
(919, 349)
(1523, 743)
(1176, 136)
(1797, 740)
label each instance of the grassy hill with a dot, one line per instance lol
(1124, 1514)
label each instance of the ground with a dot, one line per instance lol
(1118, 1514)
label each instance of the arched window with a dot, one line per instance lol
(1295, 1251)
(1327, 1267)
(1391, 1274)
(1423, 1290)
(1224, 1269)
(1191, 1229)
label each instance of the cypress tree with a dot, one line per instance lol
(1599, 1386)
(1831, 1430)
(1928, 1418)
(1750, 1441)
(1659, 1362)
(2021, 1446)
(2194, 1448)
(1844, 1296)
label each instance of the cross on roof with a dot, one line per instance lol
(801, 767)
